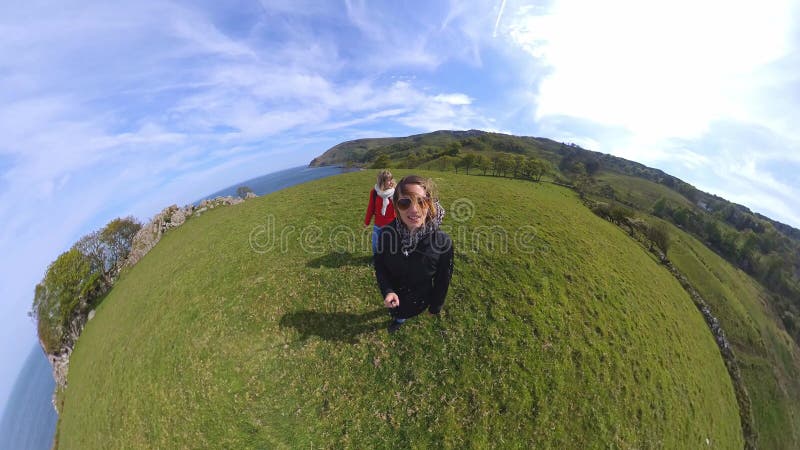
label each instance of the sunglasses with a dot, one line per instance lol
(405, 203)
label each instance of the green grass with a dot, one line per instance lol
(577, 340)
(769, 359)
(641, 192)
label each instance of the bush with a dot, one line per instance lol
(67, 289)
(620, 214)
(242, 191)
(381, 162)
(658, 234)
(602, 209)
(76, 280)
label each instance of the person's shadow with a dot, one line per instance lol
(340, 327)
(339, 259)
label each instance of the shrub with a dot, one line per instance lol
(242, 191)
(658, 234)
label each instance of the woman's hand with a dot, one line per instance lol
(391, 300)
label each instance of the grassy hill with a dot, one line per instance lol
(768, 357)
(767, 250)
(570, 335)
(638, 193)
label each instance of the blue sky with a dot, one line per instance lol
(116, 109)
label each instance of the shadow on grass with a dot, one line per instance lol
(336, 259)
(339, 326)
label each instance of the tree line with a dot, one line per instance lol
(76, 281)
(758, 247)
(451, 157)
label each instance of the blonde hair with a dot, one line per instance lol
(384, 177)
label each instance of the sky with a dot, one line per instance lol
(110, 109)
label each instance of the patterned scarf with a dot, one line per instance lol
(409, 239)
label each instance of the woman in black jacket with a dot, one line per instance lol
(414, 259)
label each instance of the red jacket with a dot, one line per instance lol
(374, 208)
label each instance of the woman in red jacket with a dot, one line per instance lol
(380, 205)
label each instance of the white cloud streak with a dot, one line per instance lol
(499, 16)
(112, 109)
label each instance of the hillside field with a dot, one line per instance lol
(568, 336)
(768, 357)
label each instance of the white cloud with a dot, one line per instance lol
(669, 84)
(662, 70)
(453, 99)
(659, 69)
(111, 109)
(499, 17)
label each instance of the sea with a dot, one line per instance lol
(29, 421)
(275, 181)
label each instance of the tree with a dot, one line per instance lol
(45, 313)
(619, 214)
(106, 249)
(517, 162)
(117, 236)
(728, 244)
(592, 166)
(526, 169)
(658, 234)
(93, 248)
(660, 207)
(539, 168)
(712, 232)
(680, 216)
(468, 161)
(747, 251)
(791, 322)
(483, 162)
(381, 162)
(506, 164)
(412, 161)
(582, 183)
(242, 191)
(66, 290)
(76, 279)
(453, 148)
(579, 169)
(444, 163)
(496, 163)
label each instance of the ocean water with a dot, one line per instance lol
(279, 180)
(29, 421)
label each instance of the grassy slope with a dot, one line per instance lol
(584, 342)
(769, 359)
(641, 192)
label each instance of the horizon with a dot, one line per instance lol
(116, 110)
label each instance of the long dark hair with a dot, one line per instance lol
(431, 193)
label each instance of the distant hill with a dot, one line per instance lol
(569, 335)
(766, 249)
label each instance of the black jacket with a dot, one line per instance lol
(421, 278)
